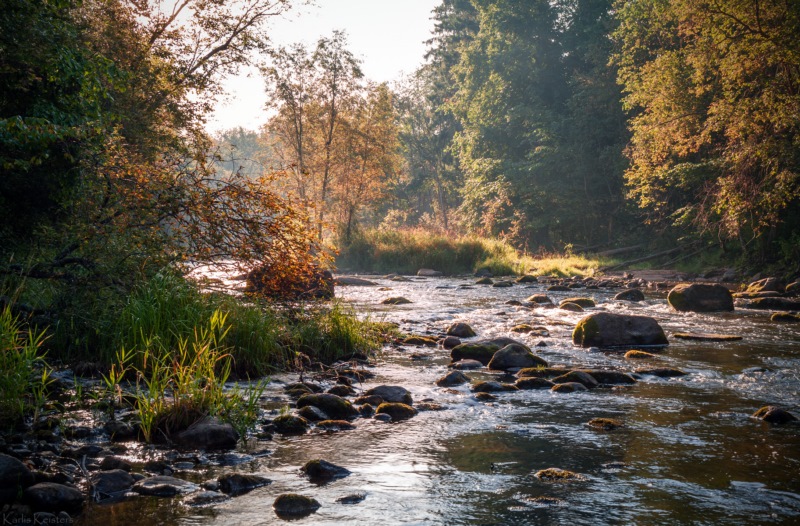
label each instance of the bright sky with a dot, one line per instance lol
(388, 35)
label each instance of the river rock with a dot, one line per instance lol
(493, 387)
(486, 280)
(699, 297)
(112, 462)
(539, 299)
(369, 399)
(336, 425)
(557, 475)
(502, 284)
(541, 372)
(466, 365)
(290, 425)
(605, 329)
(308, 387)
(292, 505)
(527, 278)
(208, 433)
(460, 330)
(449, 342)
(14, 477)
(586, 303)
(341, 390)
(428, 273)
(112, 481)
(163, 486)
(396, 410)
(206, 498)
(312, 413)
(354, 498)
(354, 281)
(392, 393)
(630, 295)
(766, 285)
(240, 483)
(606, 424)
(421, 341)
(784, 304)
(604, 377)
(569, 387)
(334, 406)
(397, 300)
(515, 356)
(120, 431)
(533, 383)
(635, 354)
(452, 379)
(481, 350)
(321, 470)
(50, 496)
(580, 377)
(774, 415)
(571, 307)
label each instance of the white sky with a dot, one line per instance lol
(388, 35)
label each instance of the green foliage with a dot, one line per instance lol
(25, 374)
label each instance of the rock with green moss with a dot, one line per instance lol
(766, 285)
(292, 505)
(700, 297)
(630, 295)
(290, 425)
(557, 475)
(335, 425)
(786, 317)
(492, 387)
(608, 377)
(502, 284)
(605, 424)
(586, 303)
(540, 299)
(605, 329)
(569, 387)
(396, 410)
(542, 372)
(636, 354)
(782, 304)
(421, 341)
(571, 307)
(515, 356)
(534, 383)
(486, 280)
(527, 278)
(334, 406)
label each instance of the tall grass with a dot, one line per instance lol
(24, 373)
(407, 250)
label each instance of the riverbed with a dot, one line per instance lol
(689, 451)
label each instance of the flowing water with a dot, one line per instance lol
(689, 452)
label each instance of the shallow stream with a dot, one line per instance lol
(689, 452)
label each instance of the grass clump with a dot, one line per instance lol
(25, 375)
(407, 250)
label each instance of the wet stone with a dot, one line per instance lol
(163, 486)
(112, 481)
(322, 470)
(569, 387)
(14, 476)
(774, 415)
(113, 462)
(492, 387)
(294, 505)
(452, 378)
(662, 372)
(396, 410)
(534, 383)
(241, 483)
(335, 425)
(355, 498)
(312, 413)
(392, 393)
(50, 496)
(290, 425)
(466, 365)
(206, 498)
(605, 424)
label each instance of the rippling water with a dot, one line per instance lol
(689, 452)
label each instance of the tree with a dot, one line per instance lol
(714, 89)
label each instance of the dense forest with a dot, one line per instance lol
(553, 125)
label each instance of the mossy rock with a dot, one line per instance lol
(334, 406)
(774, 415)
(782, 304)
(460, 330)
(480, 351)
(542, 372)
(398, 300)
(396, 410)
(392, 393)
(452, 379)
(527, 278)
(569, 387)
(290, 425)
(515, 356)
(485, 281)
(605, 424)
(341, 390)
(699, 297)
(421, 341)
(580, 377)
(485, 397)
(571, 307)
(630, 295)
(785, 317)
(539, 299)
(558, 475)
(605, 329)
(605, 377)
(335, 425)
(586, 303)
(502, 284)
(294, 505)
(662, 372)
(635, 354)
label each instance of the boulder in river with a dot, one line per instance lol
(50, 496)
(449, 342)
(330, 404)
(392, 393)
(557, 475)
(460, 330)
(786, 317)
(533, 383)
(466, 365)
(515, 356)
(606, 377)
(699, 297)
(586, 303)
(291, 424)
(14, 477)
(452, 379)
(630, 295)
(766, 285)
(569, 306)
(636, 354)
(605, 424)
(527, 278)
(163, 486)
(241, 483)
(208, 433)
(398, 300)
(292, 505)
(605, 329)
(662, 372)
(580, 377)
(112, 481)
(774, 415)
(428, 273)
(493, 387)
(540, 299)
(569, 387)
(353, 281)
(319, 470)
(481, 350)
(486, 280)
(396, 410)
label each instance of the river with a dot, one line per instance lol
(689, 452)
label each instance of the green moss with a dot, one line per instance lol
(396, 410)
(583, 302)
(557, 475)
(585, 331)
(606, 424)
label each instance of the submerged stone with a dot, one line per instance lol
(606, 424)
(294, 505)
(774, 415)
(557, 475)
